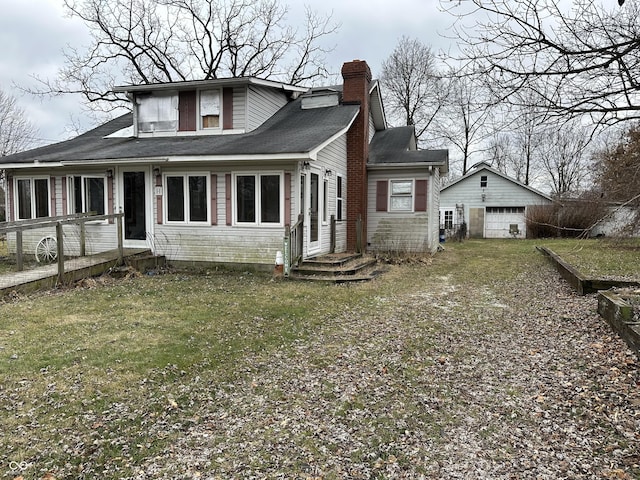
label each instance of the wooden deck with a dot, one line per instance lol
(74, 269)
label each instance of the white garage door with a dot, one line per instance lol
(498, 221)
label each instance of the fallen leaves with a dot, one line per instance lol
(440, 381)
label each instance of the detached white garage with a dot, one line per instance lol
(491, 204)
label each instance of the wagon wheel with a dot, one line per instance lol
(47, 250)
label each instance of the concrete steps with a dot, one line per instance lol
(338, 268)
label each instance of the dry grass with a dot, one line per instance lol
(478, 363)
(601, 258)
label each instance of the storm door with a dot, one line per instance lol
(313, 213)
(134, 191)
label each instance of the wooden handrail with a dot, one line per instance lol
(293, 244)
(58, 222)
(43, 222)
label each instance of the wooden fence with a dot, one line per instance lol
(52, 248)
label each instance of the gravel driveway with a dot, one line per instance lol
(516, 378)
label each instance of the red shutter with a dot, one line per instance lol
(159, 213)
(227, 194)
(63, 181)
(187, 111)
(421, 196)
(382, 189)
(110, 197)
(227, 108)
(287, 199)
(214, 199)
(52, 188)
(10, 214)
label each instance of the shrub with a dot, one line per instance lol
(574, 218)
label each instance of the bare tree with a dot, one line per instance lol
(579, 58)
(564, 159)
(412, 86)
(464, 122)
(148, 41)
(16, 131)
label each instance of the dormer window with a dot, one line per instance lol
(210, 109)
(157, 113)
(200, 110)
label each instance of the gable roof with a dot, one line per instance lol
(484, 166)
(396, 146)
(312, 127)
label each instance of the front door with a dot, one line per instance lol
(135, 202)
(312, 214)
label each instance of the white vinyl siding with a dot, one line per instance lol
(262, 104)
(332, 157)
(239, 108)
(399, 231)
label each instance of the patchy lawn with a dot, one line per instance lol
(481, 364)
(601, 258)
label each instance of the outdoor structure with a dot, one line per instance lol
(491, 204)
(233, 170)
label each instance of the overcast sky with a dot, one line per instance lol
(33, 34)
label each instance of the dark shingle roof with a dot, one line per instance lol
(290, 130)
(393, 146)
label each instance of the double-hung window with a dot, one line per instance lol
(87, 194)
(258, 198)
(401, 196)
(187, 198)
(32, 198)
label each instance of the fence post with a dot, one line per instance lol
(19, 263)
(286, 250)
(60, 248)
(83, 234)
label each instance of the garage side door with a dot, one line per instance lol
(500, 219)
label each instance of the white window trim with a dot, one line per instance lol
(443, 217)
(83, 194)
(411, 195)
(185, 183)
(234, 198)
(16, 196)
(325, 201)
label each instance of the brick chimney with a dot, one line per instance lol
(357, 79)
